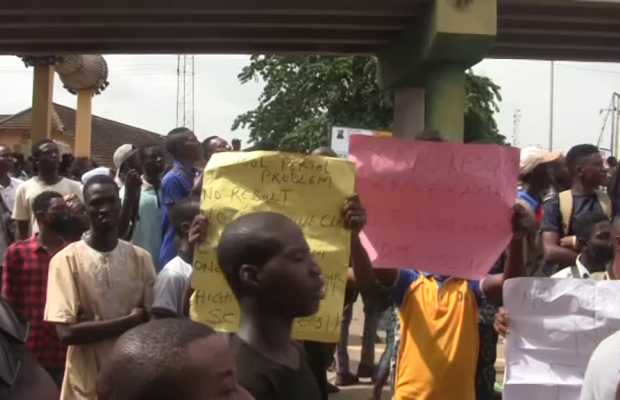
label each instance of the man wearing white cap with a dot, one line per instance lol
(95, 172)
(535, 176)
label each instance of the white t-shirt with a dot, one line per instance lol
(170, 285)
(8, 193)
(603, 372)
(27, 191)
(568, 271)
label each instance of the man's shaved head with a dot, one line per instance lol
(266, 259)
(152, 362)
(324, 151)
(251, 239)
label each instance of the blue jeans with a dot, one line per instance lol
(371, 321)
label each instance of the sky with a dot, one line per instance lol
(143, 93)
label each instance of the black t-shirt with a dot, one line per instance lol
(552, 217)
(267, 380)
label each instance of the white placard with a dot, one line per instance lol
(340, 138)
(555, 325)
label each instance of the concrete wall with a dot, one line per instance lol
(18, 139)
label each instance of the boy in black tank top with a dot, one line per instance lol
(267, 263)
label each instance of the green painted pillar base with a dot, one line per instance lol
(445, 101)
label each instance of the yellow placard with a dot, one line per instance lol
(310, 190)
(382, 133)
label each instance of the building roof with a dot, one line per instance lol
(23, 120)
(107, 135)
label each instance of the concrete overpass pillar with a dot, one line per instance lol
(83, 123)
(445, 99)
(42, 108)
(409, 109)
(434, 54)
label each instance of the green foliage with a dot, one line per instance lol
(305, 95)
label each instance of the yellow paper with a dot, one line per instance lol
(310, 190)
(382, 133)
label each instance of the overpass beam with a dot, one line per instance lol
(431, 57)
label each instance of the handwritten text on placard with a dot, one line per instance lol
(310, 190)
(438, 207)
(555, 325)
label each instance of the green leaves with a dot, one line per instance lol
(305, 95)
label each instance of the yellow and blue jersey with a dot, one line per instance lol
(439, 336)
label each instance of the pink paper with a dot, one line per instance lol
(436, 207)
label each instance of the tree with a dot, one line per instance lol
(305, 95)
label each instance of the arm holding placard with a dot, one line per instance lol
(366, 278)
(500, 323)
(522, 225)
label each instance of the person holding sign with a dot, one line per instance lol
(438, 314)
(594, 235)
(190, 228)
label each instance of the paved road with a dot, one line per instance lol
(363, 391)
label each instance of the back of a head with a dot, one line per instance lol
(264, 145)
(174, 138)
(585, 223)
(42, 201)
(577, 153)
(184, 212)
(324, 151)
(251, 239)
(429, 135)
(149, 362)
(483, 141)
(206, 151)
(612, 161)
(36, 146)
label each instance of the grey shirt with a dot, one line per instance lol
(170, 285)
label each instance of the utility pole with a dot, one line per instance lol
(516, 120)
(551, 107)
(613, 125)
(185, 91)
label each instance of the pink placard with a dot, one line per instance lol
(436, 207)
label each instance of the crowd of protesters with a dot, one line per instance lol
(97, 263)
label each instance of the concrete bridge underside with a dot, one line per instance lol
(423, 47)
(558, 30)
